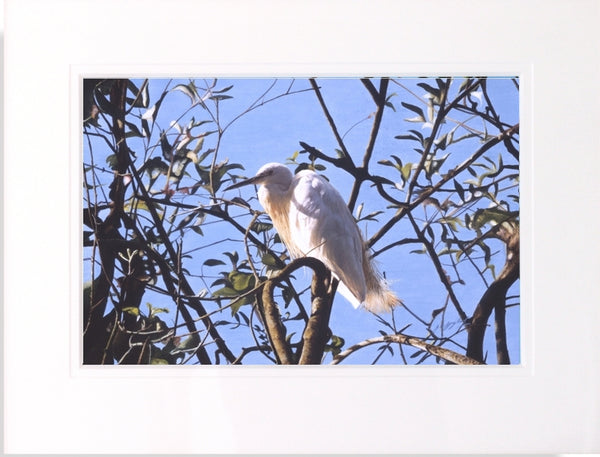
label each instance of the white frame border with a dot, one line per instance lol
(523, 71)
(431, 413)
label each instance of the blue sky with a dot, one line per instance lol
(272, 132)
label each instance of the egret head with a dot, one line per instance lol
(269, 174)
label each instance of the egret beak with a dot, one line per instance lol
(245, 182)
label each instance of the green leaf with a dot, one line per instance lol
(453, 222)
(270, 260)
(430, 111)
(491, 216)
(220, 97)
(398, 161)
(415, 109)
(359, 210)
(417, 134)
(151, 113)
(372, 216)
(156, 167)
(233, 257)
(134, 131)
(447, 251)
(492, 268)
(459, 190)
(390, 104)
(406, 171)
(466, 82)
(132, 310)
(112, 161)
(222, 90)
(140, 99)
(104, 105)
(441, 142)
(431, 90)
(435, 312)
(407, 137)
(432, 166)
(158, 361)
(189, 90)
(152, 311)
(242, 282)
(185, 221)
(335, 345)
(187, 345)
(225, 292)
(237, 304)
(213, 262)
(136, 205)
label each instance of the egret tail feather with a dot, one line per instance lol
(379, 298)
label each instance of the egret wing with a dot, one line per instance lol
(321, 226)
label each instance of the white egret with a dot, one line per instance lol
(313, 220)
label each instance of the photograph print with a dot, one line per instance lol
(293, 221)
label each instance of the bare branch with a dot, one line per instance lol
(443, 353)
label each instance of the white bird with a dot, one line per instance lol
(313, 220)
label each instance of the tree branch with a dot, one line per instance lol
(443, 353)
(495, 298)
(346, 155)
(438, 267)
(315, 334)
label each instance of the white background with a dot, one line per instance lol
(550, 404)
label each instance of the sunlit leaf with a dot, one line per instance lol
(152, 311)
(151, 113)
(242, 282)
(270, 260)
(134, 311)
(441, 142)
(189, 90)
(140, 98)
(137, 205)
(406, 171)
(158, 361)
(225, 292)
(359, 210)
(237, 304)
(435, 93)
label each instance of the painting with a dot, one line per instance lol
(385, 230)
